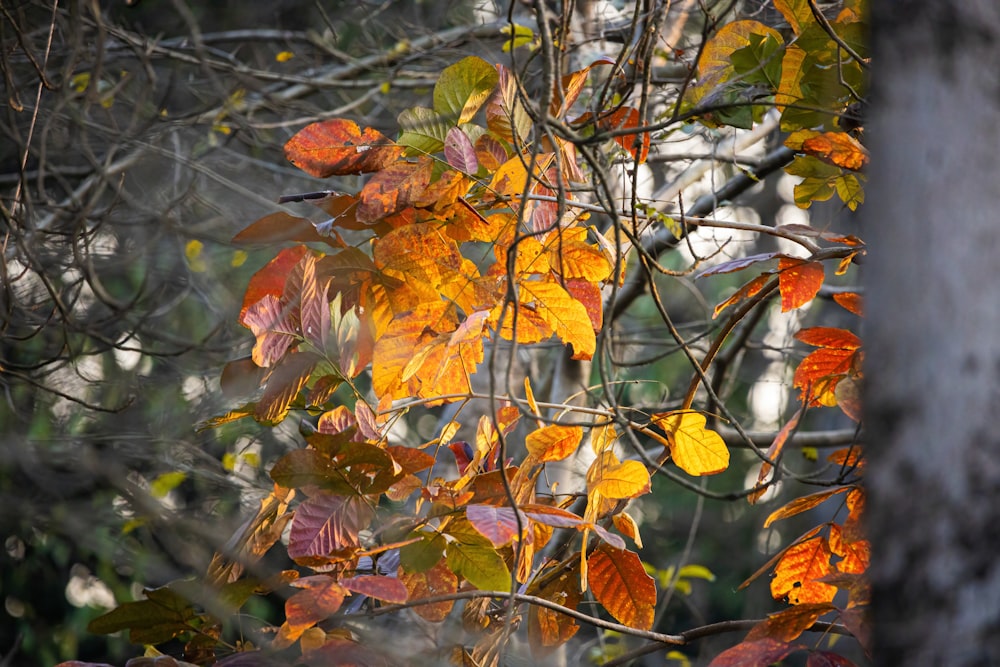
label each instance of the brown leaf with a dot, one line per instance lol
(837, 148)
(802, 504)
(393, 189)
(338, 147)
(547, 628)
(283, 385)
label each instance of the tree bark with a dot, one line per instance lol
(933, 343)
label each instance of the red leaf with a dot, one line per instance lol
(798, 281)
(338, 147)
(326, 524)
(497, 524)
(387, 589)
(830, 337)
(827, 659)
(788, 624)
(271, 279)
(760, 653)
(851, 301)
(314, 308)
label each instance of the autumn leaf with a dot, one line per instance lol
(553, 442)
(321, 598)
(463, 88)
(497, 524)
(821, 370)
(567, 316)
(759, 653)
(622, 586)
(393, 189)
(614, 479)
(749, 290)
(802, 504)
(837, 148)
(387, 589)
(693, 448)
(271, 279)
(798, 281)
(436, 580)
(479, 564)
(326, 524)
(284, 383)
(459, 152)
(787, 625)
(338, 147)
(773, 454)
(547, 628)
(796, 573)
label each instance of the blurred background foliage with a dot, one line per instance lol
(138, 138)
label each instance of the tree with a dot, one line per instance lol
(502, 228)
(932, 366)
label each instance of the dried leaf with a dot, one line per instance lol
(789, 624)
(802, 504)
(437, 580)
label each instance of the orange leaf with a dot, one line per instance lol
(553, 442)
(321, 599)
(803, 504)
(750, 289)
(695, 449)
(621, 585)
(567, 316)
(271, 279)
(338, 147)
(855, 555)
(837, 148)
(279, 227)
(438, 580)
(548, 628)
(840, 339)
(627, 526)
(798, 281)
(796, 573)
(773, 452)
(851, 301)
(789, 624)
(393, 189)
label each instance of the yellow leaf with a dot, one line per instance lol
(796, 573)
(615, 480)
(627, 526)
(553, 442)
(695, 449)
(284, 56)
(567, 316)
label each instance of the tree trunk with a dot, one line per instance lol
(933, 344)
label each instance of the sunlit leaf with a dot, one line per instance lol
(436, 580)
(788, 624)
(338, 147)
(798, 569)
(615, 480)
(497, 524)
(479, 564)
(327, 523)
(321, 598)
(695, 449)
(798, 281)
(553, 442)
(802, 504)
(463, 88)
(270, 280)
(566, 315)
(622, 586)
(547, 628)
(392, 189)
(423, 130)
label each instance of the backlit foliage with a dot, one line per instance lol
(471, 235)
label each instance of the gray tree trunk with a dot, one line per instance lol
(933, 343)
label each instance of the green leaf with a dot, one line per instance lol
(480, 565)
(423, 130)
(423, 555)
(463, 88)
(162, 616)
